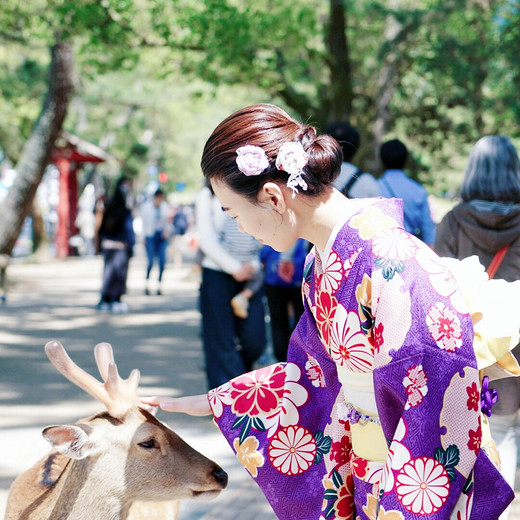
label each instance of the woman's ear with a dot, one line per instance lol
(272, 196)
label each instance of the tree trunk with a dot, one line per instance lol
(340, 67)
(37, 151)
(386, 84)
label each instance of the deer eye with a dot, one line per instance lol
(149, 444)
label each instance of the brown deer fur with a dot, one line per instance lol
(113, 468)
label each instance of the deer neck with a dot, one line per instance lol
(87, 494)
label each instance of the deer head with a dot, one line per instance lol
(105, 463)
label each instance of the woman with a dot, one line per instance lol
(230, 261)
(117, 241)
(377, 411)
(487, 223)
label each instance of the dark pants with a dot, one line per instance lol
(280, 299)
(231, 344)
(156, 248)
(115, 272)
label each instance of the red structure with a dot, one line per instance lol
(69, 155)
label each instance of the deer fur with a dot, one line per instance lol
(111, 467)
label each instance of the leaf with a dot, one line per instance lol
(336, 479)
(468, 486)
(452, 474)
(258, 424)
(440, 455)
(330, 511)
(246, 428)
(452, 455)
(238, 421)
(330, 494)
(322, 446)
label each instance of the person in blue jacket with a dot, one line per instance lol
(283, 280)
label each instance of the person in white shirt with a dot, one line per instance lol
(232, 340)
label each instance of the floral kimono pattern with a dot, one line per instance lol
(380, 309)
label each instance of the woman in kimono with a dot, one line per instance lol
(377, 412)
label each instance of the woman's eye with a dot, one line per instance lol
(148, 444)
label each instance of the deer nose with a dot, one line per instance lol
(220, 476)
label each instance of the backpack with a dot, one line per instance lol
(180, 223)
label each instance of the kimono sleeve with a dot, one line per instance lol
(275, 419)
(427, 390)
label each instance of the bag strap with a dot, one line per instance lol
(348, 185)
(497, 260)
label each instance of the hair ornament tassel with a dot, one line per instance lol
(292, 158)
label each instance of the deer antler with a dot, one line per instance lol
(118, 395)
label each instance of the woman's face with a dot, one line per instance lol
(261, 220)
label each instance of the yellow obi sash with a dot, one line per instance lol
(360, 409)
(368, 441)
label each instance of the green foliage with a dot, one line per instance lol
(154, 76)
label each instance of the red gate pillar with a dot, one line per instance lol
(63, 233)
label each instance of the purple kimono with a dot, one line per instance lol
(377, 412)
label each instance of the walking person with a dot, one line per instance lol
(376, 413)
(396, 183)
(231, 294)
(117, 240)
(155, 215)
(351, 181)
(487, 224)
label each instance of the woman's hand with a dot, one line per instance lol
(192, 405)
(245, 272)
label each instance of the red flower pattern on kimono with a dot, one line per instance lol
(292, 450)
(473, 397)
(378, 337)
(258, 392)
(475, 438)
(340, 451)
(344, 506)
(444, 327)
(416, 386)
(359, 466)
(423, 486)
(325, 310)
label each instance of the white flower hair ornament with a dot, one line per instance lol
(292, 158)
(251, 160)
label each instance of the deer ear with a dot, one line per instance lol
(71, 440)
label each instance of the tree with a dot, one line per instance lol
(36, 152)
(436, 73)
(54, 26)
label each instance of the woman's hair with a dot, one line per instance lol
(268, 127)
(493, 171)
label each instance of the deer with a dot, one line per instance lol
(115, 463)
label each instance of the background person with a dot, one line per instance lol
(351, 181)
(483, 224)
(374, 407)
(117, 239)
(395, 183)
(283, 289)
(155, 215)
(230, 259)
